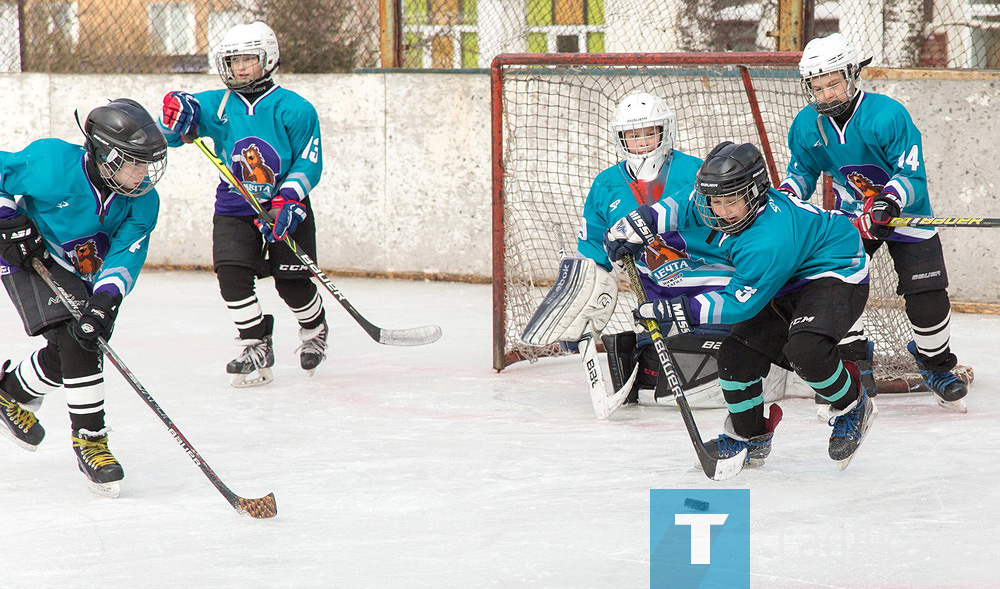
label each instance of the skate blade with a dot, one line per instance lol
(111, 490)
(242, 381)
(957, 405)
(8, 434)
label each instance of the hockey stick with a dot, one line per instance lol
(944, 222)
(715, 468)
(605, 403)
(263, 507)
(416, 336)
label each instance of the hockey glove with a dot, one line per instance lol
(674, 312)
(287, 216)
(181, 112)
(630, 235)
(21, 242)
(873, 222)
(98, 320)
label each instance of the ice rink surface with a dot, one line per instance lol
(423, 467)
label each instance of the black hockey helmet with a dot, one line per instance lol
(127, 146)
(731, 186)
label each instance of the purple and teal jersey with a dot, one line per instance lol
(879, 149)
(679, 263)
(104, 241)
(272, 145)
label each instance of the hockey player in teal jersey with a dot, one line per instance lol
(869, 145)
(801, 281)
(270, 138)
(87, 212)
(651, 170)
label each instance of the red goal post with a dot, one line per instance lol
(551, 137)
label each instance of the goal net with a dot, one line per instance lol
(551, 137)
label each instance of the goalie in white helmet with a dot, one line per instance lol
(869, 145)
(651, 170)
(270, 139)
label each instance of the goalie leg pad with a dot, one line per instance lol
(621, 360)
(583, 293)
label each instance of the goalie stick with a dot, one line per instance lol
(605, 403)
(415, 336)
(261, 508)
(717, 469)
(944, 222)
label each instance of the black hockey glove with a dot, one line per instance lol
(630, 235)
(674, 312)
(21, 242)
(98, 320)
(873, 223)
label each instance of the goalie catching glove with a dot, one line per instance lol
(873, 222)
(584, 293)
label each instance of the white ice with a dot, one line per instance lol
(423, 467)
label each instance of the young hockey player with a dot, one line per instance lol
(870, 147)
(270, 138)
(87, 212)
(643, 129)
(801, 281)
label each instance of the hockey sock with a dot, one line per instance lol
(816, 360)
(740, 372)
(35, 377)
(237, 287)
(930, 317)
(83, 380)
(302, 297)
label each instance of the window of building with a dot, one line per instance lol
(440, 33)
(171, 28)
(564, 26)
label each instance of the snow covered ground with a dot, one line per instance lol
(422, 467)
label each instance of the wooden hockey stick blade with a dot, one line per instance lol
(262, 508)
(944, 222)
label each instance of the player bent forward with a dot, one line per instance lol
(801, 281)
(89, 209)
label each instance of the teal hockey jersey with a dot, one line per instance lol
(102, 239)
(879, 149)
(678, 263)
(272, 145)
(790, 243)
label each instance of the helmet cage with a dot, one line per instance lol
(119, 168)
(750, 198)
(224, 63)
(836, 107)
(638, 112)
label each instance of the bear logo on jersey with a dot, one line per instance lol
(86, 259)
(257, 165)
(863, 182)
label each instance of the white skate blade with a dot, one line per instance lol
(242, 381)
(7, 433)
(957, 406)
(112, 490)
(842, 464)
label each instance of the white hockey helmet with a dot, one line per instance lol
(643, 111)
(825, 55)
(255, 39)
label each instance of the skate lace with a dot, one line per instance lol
(255, 353)
(95, 452)
(849, 424)
(938, 380)
(20, 417)
(316, 345)
(728, 447)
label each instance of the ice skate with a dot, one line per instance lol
(850, 426)
(96, 462)
(20, 423)
(949, 390)
(313, 348)
(253, 366)
(758, 448)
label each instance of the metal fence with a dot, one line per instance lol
(138, 36)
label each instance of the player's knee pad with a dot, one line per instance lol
(583, 294)
(741, 363)
(235, 282)
(813, 356)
